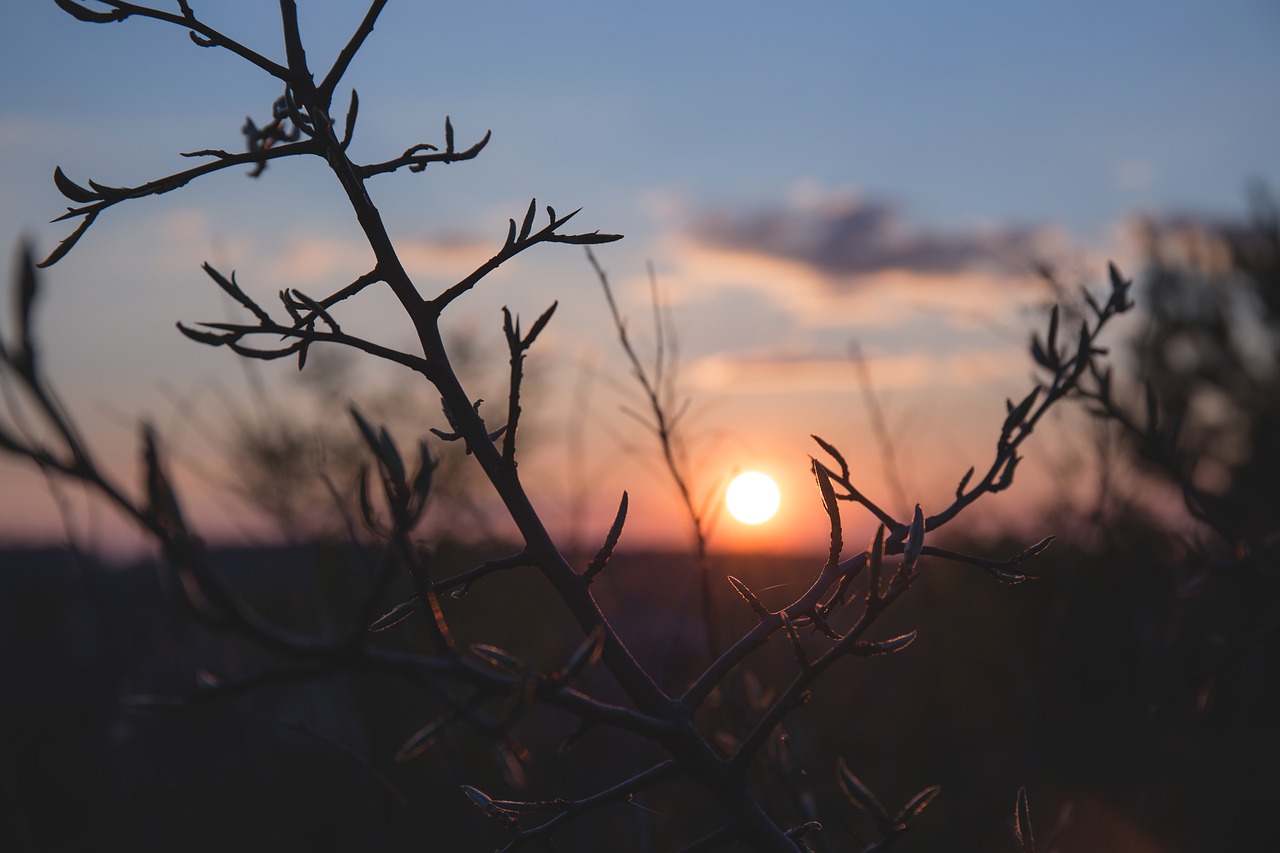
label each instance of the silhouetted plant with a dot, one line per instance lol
(1206, 372)
(1196, 407)
(481, 686)
(662, 415)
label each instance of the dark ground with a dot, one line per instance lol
(1069, 686)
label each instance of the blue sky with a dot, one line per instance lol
(787, 169)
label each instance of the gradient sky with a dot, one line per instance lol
(801, 176)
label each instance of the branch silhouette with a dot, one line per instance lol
(483, 687)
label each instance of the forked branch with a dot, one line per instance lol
(484, 686)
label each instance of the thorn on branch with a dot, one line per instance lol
(823, 478)
(527, 225)
(835, 454)
(1033, 551)
(913, 548)
(587, 653)
(1006, 571)
(214, 339)
(395, 615)
(525, 236)
(917, 804)
(161, 508)
(232, 288)
(420, 487)
(206, 152)
(832, 508)
(456, 433)
(820, 622)
(859, 794)
(510, 756)
(518, 346)
(867, 648)
(107, 192)
(423, 739)
(490, 807)
(851, 572)
(500, 659)
(406, 496)
(317, 310)
(793, 635)
(1084, 349)
(1120, 301)
(1017, 414)
(1048, 355)
(380, 444)
(291, 306)
(349, 128)
(389, 456)
(1006, 475)
(80, 13)
(1022, 822)
(798, 832)
(749, 597)
(69, 243)
(367, 515)
(889, 827)
(875, 560)
(72, 190)
(601, 559)
(24, 358)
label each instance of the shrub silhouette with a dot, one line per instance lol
(1207, 368)
(718, 739)
(1152, 664)
(1194, 410)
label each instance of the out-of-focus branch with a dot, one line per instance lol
(567, 810)
(656, 386)
(879, 426)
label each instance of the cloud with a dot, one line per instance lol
(770, 372)
(830, 256)
(447, 256)
(307, 259)
(842, 237)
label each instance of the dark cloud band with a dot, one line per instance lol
(848, 238)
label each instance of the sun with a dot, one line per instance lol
(752, 498)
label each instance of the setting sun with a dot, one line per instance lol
(752, 498)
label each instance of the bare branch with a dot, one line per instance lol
(601, 558)
(416, 161)
(202, 34)
(110, 196)
(348, 53)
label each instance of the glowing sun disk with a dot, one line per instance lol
(752, 498)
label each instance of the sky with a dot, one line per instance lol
(800, 177)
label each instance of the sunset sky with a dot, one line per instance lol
(801, 177)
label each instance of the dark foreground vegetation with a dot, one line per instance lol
(1050, 685)
(399, 691)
